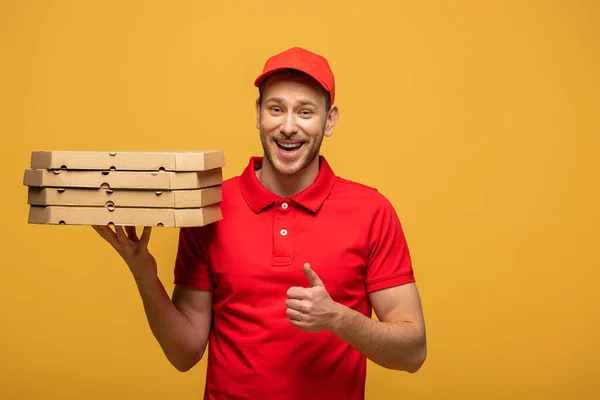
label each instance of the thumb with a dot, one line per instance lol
(312, 277)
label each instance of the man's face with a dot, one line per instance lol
(292, 121)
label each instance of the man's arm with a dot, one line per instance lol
(182, 324)
(398, 339)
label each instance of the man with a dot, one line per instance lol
(283, 286)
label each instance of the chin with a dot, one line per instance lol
(287, 167)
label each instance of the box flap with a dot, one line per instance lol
(128, 160)
(148, 180)
(123, 197)
(167, 217)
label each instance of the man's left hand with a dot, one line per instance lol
(312, 309)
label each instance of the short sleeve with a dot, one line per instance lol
(389, 257)
(191, 265)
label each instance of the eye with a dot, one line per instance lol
(276, 109)
(305, 112)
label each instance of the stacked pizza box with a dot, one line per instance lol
(171, 189)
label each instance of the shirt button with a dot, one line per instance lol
(283, 232)
(284, 205)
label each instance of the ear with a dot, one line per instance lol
(332, 118)
(257, 108)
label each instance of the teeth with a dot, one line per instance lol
(289, 145)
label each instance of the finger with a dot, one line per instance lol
(300, 325)
(313, 278)
(297, 305)
(107, 234)
(146, 236)
(121, 236)
(296, 292)
(295, 315)
(131, 233)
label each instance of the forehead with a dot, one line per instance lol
(293, 87)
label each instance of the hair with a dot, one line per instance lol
(294, 73)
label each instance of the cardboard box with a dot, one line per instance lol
(124, 198)
(128, 161)
(148, 180)
(188, 217)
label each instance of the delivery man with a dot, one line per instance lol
(279, 293)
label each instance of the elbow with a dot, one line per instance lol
(184, 363)
(411, 361)
(414, 367)
(417, 359)
(183, 366)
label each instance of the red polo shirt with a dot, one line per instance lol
(351, 236)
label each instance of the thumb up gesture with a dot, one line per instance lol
(310, 308)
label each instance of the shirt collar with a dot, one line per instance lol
(311, 198)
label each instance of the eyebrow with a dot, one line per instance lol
(307, 103)
(281, 100)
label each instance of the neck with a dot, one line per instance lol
(287, 185)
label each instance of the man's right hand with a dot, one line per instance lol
(132, 249)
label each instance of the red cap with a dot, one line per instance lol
(302, 60)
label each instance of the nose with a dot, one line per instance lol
(288, 125)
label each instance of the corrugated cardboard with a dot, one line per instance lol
(124, 198)
(128, 161)
(148, 180)
(189, 217)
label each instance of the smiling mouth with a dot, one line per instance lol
(289, 146)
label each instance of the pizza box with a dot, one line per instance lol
(148, 180)
(187, 217)
(128, 160)
(101, 197)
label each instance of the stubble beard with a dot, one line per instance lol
(287, 168)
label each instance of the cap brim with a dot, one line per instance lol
(261, 78)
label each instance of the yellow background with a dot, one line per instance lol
(478, 119)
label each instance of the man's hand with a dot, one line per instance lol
(312, 309)
(132, 249)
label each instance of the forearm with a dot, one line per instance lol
(171, 328)
(399, 346)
